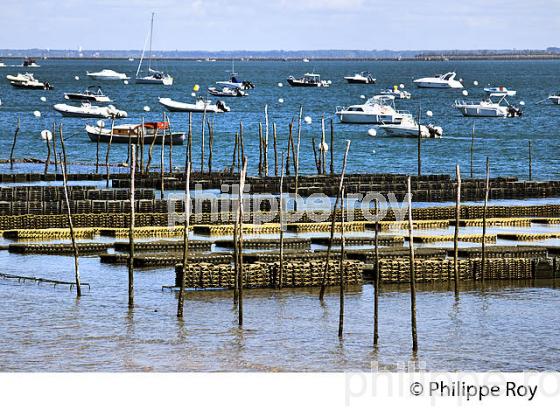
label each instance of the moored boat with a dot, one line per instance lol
(446, 80)
(227, 92)
(31, 84)
(409, 128)
(107, 75)
(308, 80)
(89, 95)
(487, 108)
(135, 133)
(156, 77)
(499, 91)
(379, 109)
(86, 110)
(20, 77)
(555, 98)
(397, 93)
(360, 78)
(30, 63)
(234, 82)
(200, 105)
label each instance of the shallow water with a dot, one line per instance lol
(506, 327)
(504, 140)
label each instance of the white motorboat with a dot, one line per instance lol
(234, 82)
(153, 76)
(308, 80)
(227, 92)
(200, 105)
(379, 109)
(499, 91)
(20, 77)
(360, 78)
(408, 127)
(305, 60)
(446, 80)
(31, 84)
(397, 93)
(107, 75)
(86, 110)
(555, 98)
(487, 108)
(88, 95)
(30, 63)
(2, 64)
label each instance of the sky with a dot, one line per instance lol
(280, 24)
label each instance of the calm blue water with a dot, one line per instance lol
(504, 140)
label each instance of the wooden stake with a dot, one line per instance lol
(456, 235)
(48, 160)
(170, 145)
(266, 140)
(530, 161)
(377, 279)
(210, 146)
(281, 220)
(64, 162)
(240, 239)
(317, 160)
(332, 147)
(151, 150)
(333, 222)
(341, 273)
(419, 146)
(131, 228)
(484, 211)
(189, 139)
(242, 145)
(107, 167)
(275, 149)
(472, 152)
(290, 130)
(162, 166)
(141, 137)
(202, 142)
(185, 240)
(412, 272)
(97, 152)
(234, 156)
(322, 147)
(296, 188)
(16, 132)
(260, 150)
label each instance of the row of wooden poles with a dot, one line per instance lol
(238, 233)
(292, 151)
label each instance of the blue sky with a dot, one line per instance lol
(281, 24)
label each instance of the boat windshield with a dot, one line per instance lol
(448, 76)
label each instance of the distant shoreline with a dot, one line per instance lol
(508, 57)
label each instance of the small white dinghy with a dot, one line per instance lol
(409, 128)
(200, 105)
(86, 110)
(107, 75)
(555, 98)
(499, 92)
(20, 77)
(397, 93)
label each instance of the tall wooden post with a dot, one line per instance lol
(472, 152)
(64, 161)
(275, 149)
(48, 160)
(456, 235)
(290, 130)
(341, 272)
(202, 142)
(412, 271)
(323, 150)
(240, 239)
(189, 139)
(296, 159)
(377, 279)
(333, 222)
(234, 156)
(317, 160)
(332, 147)
(97, 151)
(419, 146)
(530, 161)
(260, 168)
(131, 228)
(484, 211)
(186, 227)
(281, 220)
(210, 146)
(266, 140)
(170, 145)
(162, 167)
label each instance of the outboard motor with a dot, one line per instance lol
(514, 112)
(222, 106)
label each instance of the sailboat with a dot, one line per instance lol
(154, 76)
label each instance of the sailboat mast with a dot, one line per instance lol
(151, 34)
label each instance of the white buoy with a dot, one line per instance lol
(475, 82)
(401, 85)
(280, 85)
(363, 97)
(521, 102)
(37, 114)
(465, 93)
(373, 152)
(324, 146)
(308, 120)
(146, 108)
(46, 135)
(280, 100)
(329, 82)
(429, 113)
(372, 132)
(43, 98)
(100, 123)
(193, 94)
(125, 82)
(77, 78)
